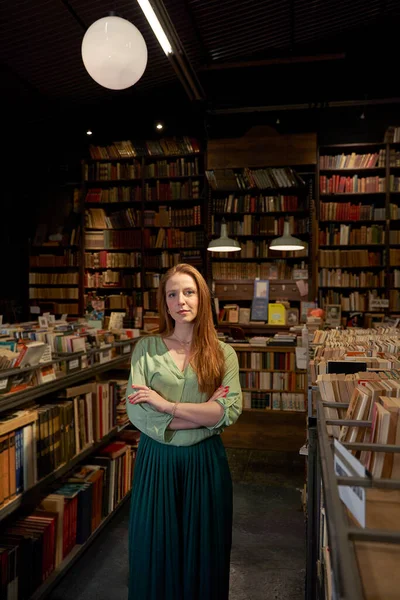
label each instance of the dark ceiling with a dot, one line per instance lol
(245, 53)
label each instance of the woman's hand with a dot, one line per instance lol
(221, 392)
(146, 394)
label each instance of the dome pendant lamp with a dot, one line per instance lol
(287, 241)
(224, 243)
(114, 52)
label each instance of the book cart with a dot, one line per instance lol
(344, 560)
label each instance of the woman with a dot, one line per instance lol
(186, 390)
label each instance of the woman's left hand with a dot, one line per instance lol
(146, 394)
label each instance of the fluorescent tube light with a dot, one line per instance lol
(155, 25)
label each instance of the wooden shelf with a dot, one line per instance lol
(44, 590)
(336, 194)
(350, 169)
(32, 495)
(16, 399)
(349, 246)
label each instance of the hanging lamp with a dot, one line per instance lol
(224, 243)
(114, 52)
(287, 241)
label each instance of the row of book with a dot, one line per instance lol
(349, 258)
(353, 160)
(290, 401)
(67, 259)
(354, 301)
(111, 195)
(104, 171)
(59, 293)
(36, 441)
(178, 168)
(111, 279)
(263, 381)
(165, 260)
(99, 219)
(277, 361)
(109, 239)
(346, 235)
(130, 148)
(394, 300)
(394, 236)
(53, 278)
(338, 184)
(251, 225)
(340, 278)
(248, 203)
(168, 217)
(394, 183)
(346, 211)
(112, 260)
(173, 238)
(394, 257)
(245, 179)
(173, 190)
(274, 270)
(34, 545)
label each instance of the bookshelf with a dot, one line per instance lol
(358, 227)
(254, 204)
(53, 439)
(55, 260)
(143, 214)
(269, 378)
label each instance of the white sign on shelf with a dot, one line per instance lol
(377, 303)
(346, 465)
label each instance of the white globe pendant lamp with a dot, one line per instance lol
(114, 53)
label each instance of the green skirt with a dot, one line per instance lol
(180, 530)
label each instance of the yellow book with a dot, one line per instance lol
(276, 314)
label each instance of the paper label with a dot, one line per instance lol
(3, 384)
(34, 310)
(126, 349)
(73, 364)
(346, 465)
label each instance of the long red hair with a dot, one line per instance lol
(207, 355)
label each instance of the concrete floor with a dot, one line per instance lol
(268, 552)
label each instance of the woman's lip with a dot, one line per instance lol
(180, 312)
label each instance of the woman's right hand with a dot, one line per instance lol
(221, 392)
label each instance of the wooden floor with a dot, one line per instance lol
(267, 430)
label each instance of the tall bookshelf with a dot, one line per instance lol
(143, 214)
(358, 216)
(254, 204)
(55, 258)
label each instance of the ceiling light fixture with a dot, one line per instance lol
(224, 243)
(287, 241)
(156, 26)
(114, 53)
(89, 132)
(159, 126)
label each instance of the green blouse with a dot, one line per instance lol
(153, 365)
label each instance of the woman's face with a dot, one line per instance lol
(182, 298)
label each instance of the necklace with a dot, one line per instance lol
(182, 342)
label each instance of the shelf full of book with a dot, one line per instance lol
(255, 204)
(66, 465)
(144, 212)
(358, 229)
